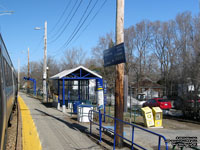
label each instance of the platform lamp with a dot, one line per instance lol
(45, 62)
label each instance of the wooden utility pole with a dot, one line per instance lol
(28, 74)
(119, 82)
(45, 65)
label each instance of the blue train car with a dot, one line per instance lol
(8, 91)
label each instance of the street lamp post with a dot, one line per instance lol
(6, 13)
(44, 63)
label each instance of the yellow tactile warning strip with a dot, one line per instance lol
(30, 136)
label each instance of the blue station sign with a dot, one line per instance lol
(114, 55)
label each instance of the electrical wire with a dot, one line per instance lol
(68, 22)
(91, 20)
(66, 8)
(80, 26)
(81, 18)
(37, 47)
(55, 36)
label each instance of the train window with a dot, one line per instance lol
(7, 73)
(10, 76)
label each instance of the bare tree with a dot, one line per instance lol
(36, 71)
(166, 51)
(141, 42)
(103, 44)
(129, 37)
(53, 66)
(184, 35)
(73, 58)
(160, 43)
(108, 73)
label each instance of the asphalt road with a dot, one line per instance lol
(150, 141)
(172, 129)
(54, 131)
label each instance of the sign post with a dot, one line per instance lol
(119, 82)
(116, 56)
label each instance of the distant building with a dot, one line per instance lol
(148, 87)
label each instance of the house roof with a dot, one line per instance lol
(77, 72)
(146, 83)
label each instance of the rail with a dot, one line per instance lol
(90, 116)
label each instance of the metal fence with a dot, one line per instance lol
(91, 114)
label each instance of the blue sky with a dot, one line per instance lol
(19, 34)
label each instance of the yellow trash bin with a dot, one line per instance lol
(148, 116)
(158, 115)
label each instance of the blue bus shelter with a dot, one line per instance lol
(73, 86)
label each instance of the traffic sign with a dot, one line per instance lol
(114, 55)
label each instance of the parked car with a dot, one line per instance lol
(191, 108)
(158, 102)
(141, 97)
(178, 104)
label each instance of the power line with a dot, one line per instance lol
(66, 8)
(80, 26)
(55, 36)
(92, 19)
(68, 22)
(37, 47)
(82, 17)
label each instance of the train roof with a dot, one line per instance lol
(5, 52)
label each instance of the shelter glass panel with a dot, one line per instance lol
(84, 90)
(77, 90)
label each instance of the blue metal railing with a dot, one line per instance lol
(90, 115)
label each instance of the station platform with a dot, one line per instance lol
(56, 130)
(47, 128)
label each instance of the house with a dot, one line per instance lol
(148, 87)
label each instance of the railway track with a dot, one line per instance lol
(14, 133)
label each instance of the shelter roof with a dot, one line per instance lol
(78, 72)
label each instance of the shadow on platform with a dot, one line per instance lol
(73, 126)
(108, 140)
